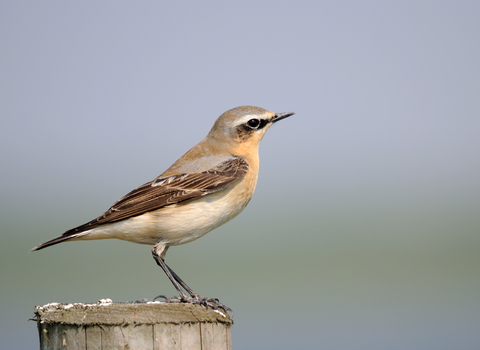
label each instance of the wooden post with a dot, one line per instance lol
(151, 325)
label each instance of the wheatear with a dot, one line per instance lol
(208, 186)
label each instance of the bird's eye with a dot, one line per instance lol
(253, 123)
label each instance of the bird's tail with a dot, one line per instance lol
(53, 242)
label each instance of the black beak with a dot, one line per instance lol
(280, 116)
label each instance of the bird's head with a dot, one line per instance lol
(244, 126)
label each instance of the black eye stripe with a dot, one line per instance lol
(263, 122)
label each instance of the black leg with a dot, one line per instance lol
(183, 284)
(166, 269)
(158, 252)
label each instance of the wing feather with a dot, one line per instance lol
(177, 189)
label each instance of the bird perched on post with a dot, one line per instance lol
(207, 187)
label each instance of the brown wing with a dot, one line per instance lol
(161, 192)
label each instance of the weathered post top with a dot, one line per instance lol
(151, 325)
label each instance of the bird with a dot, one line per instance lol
(205, 188)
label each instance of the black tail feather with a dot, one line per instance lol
(52, 242)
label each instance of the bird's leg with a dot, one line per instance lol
(183, 284)
(157, 251)
(214, 303)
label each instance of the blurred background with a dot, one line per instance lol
(364, 231)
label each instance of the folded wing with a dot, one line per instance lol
(156, 194)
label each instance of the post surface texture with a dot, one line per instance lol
(152, 325)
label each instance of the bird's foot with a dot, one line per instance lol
(213, 303)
